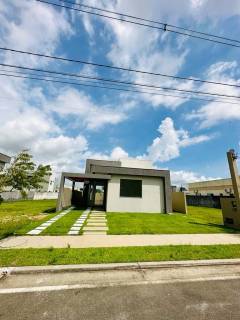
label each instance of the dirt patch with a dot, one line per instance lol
(37, 217)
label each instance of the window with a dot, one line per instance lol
(130, 188)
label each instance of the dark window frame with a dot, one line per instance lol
(124, 189)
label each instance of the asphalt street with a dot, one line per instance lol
(197, 293)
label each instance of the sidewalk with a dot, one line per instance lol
(88, 241)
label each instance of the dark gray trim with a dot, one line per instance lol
(103, 163)
(129, 171)
(85, 176)
(167, 192)
(4, 158)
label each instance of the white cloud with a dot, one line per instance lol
(148, 49)
(168, 145)
(118, 153)
(22, 131)
(36, 27)
(182, 177)
(213, 113)
(86, 112)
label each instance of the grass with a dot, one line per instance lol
(63, 225)
(33, 257)
(18, 217)
(198, 220)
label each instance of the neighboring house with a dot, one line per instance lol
(219, 187)
(50, 185)
(4, 159)
(119, 186)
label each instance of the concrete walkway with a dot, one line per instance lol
(96, 224)
(88, 241)
(76, 227)
(49, 222)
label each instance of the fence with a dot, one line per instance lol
(204, 201)
(32, 195)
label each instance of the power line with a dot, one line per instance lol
(165, 28)
(122, 82)
(84, 84)
(117, 68)
(148, 20)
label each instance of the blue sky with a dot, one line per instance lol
(64, 124)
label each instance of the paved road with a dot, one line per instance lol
(198, 300)
(197, 293)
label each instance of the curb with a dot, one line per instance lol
(117, 266)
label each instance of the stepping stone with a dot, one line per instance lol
(95, 228)
(73, 232)
(45, 225)
(75, 228)
(93, 217)
(101, 213)
(34, 232)
(94, 233)
(96, 225)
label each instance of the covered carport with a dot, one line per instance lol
(86, 197)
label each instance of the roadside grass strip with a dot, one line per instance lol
(62, 226)
(46, 224)
(76, 227)
(51, 256)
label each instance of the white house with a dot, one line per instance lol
(127, 185)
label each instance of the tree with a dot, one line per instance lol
(24, 175)
(2, 181)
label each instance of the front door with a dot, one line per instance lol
(97, 194)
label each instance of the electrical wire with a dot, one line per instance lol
(122, 82)
(147, 20)
(118, 88)
(165, 28)
(116, 68)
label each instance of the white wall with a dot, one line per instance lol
(45, 195)
(152, 196)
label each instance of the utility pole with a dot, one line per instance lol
(231, 206)
(232, 161)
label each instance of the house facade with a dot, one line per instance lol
(218, 187)
(4, 159)
(126, 185)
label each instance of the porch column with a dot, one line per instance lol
(60, 193)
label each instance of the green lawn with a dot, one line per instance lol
(63, 225)
(31, 257)
(198, 220)
(18, 217)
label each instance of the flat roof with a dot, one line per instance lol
(81, 177)
(129, 171)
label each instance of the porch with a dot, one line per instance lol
(92, 193)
